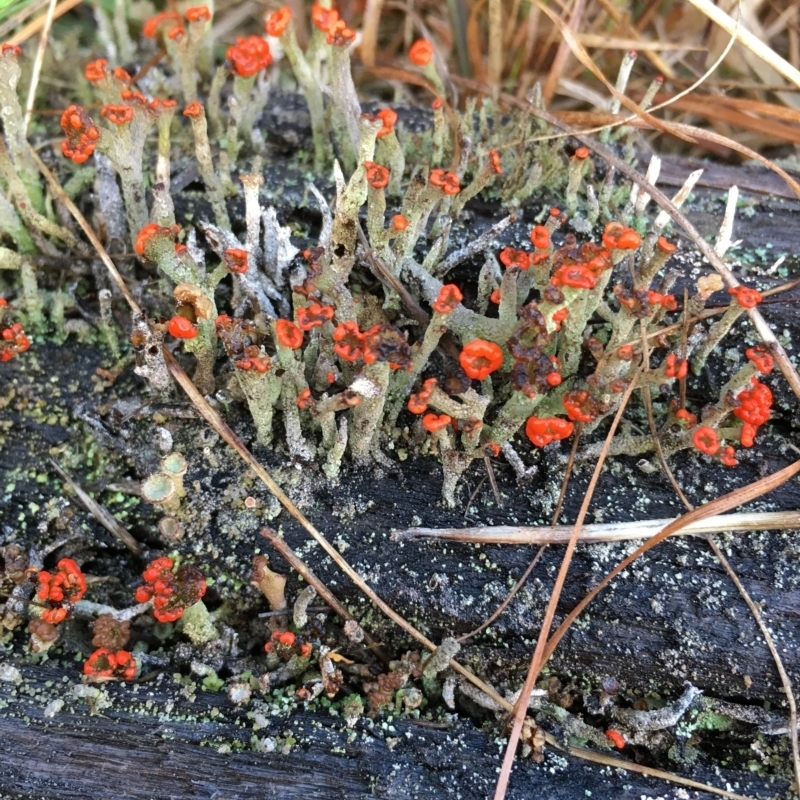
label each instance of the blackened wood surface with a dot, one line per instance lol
(673, 617)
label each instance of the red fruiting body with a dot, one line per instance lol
(13, 340)
(236, 260)
(519, 258)
(559, 316)
(278, 21)
(117, 114)
(449, 298)
(8, 49)
(377, 176)
(96, 70)
(761, 357)
(388, 117)
(304, 399)
(437, 103)
(349, 341)
(625, 353)
(543, 430)
(747, 435)
(491, 449)
(288, 334)
(540, 237)
(314, 315)
(421, 52)
(193, 109)
(582, 153)
(198, 14)
(151, 230)
(123, 76)
(171, 593)
(287, 639)
(666, 301)
(754, 404)
(616, 737)
(252, 359)
(746, 298)
(248, 56)
(81, 133)
(728, 457)
(60, 590)
(579, 406)
(133, 97)
(617, 236)
(480, 358)
(673, 368)
(105, 664)
(434, 422)
(448, 182)
(577, 276)
(178, 32)
(339, 34)
(399, 222)
(665, 246)
(705, 440)
(152, 25)
(686, 417)
(418, 403)
(496, 296)
(494, 162)
(324, 18)
(181, 328)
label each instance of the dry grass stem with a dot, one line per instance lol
(598, 533)
(105, 518)
(34, 26)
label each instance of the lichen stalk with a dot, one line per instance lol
(209, 175)
(346, 110)
(14, 128)
(312, 91)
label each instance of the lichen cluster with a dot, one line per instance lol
(379, 315)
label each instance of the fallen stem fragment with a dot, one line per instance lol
(605, 532)
(106, 519)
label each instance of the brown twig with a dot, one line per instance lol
(105, 518)
(299, 566)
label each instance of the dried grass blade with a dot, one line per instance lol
(104, 517)
(598, 533)
(580, 53)
(34, 26)
(753, 44)
(37, 64)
